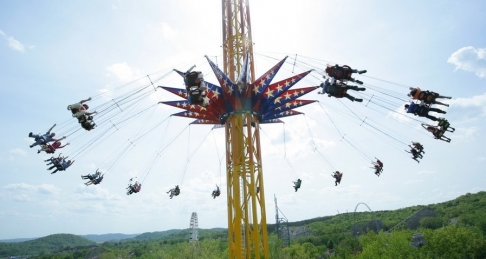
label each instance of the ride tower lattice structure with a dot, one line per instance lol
(242, 103)
(281, 226)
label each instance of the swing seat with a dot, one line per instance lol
(340, 73)
(195, 95)
(341, 92)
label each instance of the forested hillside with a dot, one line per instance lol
(108, 237)
(453, 229)
(45, 245)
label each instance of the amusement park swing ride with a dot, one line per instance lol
(240, 102)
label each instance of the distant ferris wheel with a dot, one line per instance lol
(193, 228)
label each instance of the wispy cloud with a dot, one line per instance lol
(18, 151)
(48, 189)
(123, 72)
(466, 134)
(412, 182)
(42, 189)
(94, 193)
(13, 43)
(400, 114)
(167, 31)
(426, 172)
(470, 59)
(475, 101)
(22, 198)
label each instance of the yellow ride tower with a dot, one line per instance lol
(242, 103)
(247, 226)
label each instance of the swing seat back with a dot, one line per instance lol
(195, 95)
(341, 91)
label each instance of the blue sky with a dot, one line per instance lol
(54, 53)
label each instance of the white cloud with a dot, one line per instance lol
(42, 189)
(18, 151)
(123, 72)
(13, 43)
(167, 31)
(22, 197)
(48, 189)
(475, 101)
(412, 182)
(400, 115)
(465, 134)
(94, 193)
(20, 186)
(470, 59)
(426, 172)
(51, 203)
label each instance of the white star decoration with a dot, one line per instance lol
(206, 102)
(241, 86)
(269, 93)
(255, 90)
(230, 90)
(262, 82)
(216, 94)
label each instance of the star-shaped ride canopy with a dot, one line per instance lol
(268, 101)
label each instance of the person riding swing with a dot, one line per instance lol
(437, 132)
(338, 176)
(216, 192)
(195, 88)
(175, 191)
(339, 90)
(134, 188)
(297, 184)
(343, 73)
(427, 97)
(445, 125)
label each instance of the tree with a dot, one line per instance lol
(455, 242)
(431, 222)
